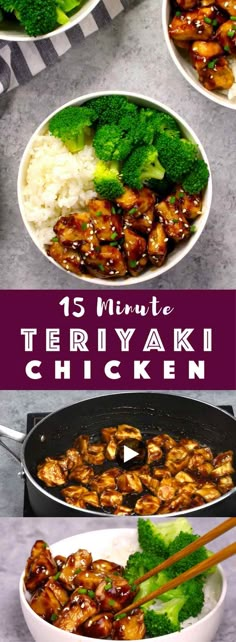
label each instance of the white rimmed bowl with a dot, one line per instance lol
(17, 34)
(181, 250)
(117, 545)
(184, 65)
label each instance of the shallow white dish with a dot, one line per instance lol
(117, 545)
(180, 251)
(18, 34)
(185, 67)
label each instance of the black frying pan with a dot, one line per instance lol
(151, 412)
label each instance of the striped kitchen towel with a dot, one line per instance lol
(20, 61)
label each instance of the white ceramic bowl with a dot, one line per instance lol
(124, 541)
(183, 64)
(17, 34)
(181, 250)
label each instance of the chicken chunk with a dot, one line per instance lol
(199, 457)
(73, 229)
(177, 459)
(107, 225)
(203, 52)
(161, 473)
(52, 473)
(167, 489)
(60, 561)
(157, 245)
(49, 600)
(124, 431)
(81, 442)
(189, 444)
(79, 561)
(40, 566)
(76, 612)
(171, 216)
(147, 505)
(227, 5)
(74, 495)
(192, 25)
(111, 499)
(73, 458)
(223, 465)
(179, 503)
(105, 481)
(114, 593)
(88, 580)
(105, 263)
(82, 474)
(106, 567)
(141, 223)
(187, 4)
(111, 449)
(154, 452)
(224, 484)
(140, 200)
(150, 483)
(95, 454)
(98, 626)
(226, 36)
(208, 491)
(184, 478)
(123, 510)
(131, 627)
(129, 482)
(191, 205)
(135, 249)
(219, 76)
(68, 258)
(107, 433)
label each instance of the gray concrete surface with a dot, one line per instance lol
(14, 405)
(130, 54)
(17, 537)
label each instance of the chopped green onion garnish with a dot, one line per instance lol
(78, 570)
(212, 63)
(226, 47)
(99, 213)
(55, 239)
(175, 220)
(108, 586)
(101, 267)
(53, 617)
(84, 226)
(91, 593)
(114, 243)
(231, 33)
(56, 577)
(113, 210)
(178, 13)
(133, 263)
(111, 602)
(45, 545)
(97, 248)
(215, 23)
(82, 591)
(133, 210)
(208, 20)
(172, 199)
(114, 235)
(193, 229)
(232, 17)
(120, 617)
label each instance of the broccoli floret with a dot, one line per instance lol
(153, 123)
(163, 188)
(180, 541)
(8, 5)
(64, 7)
(197, 178)
(142, 165)
(166, 123)
(72, 125)
(156, 538)
(177, 155)
(112, 143)
(164, 620)
(140, 563)
(191, 590)
(110, 109)
(37, 17)
(107, 181)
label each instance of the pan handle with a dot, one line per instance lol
(12, 434)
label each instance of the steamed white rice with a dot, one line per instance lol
(57, 183)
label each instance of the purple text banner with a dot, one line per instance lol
(97, 340)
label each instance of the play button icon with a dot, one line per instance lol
(131, 453)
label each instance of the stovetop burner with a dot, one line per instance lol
(227, 507)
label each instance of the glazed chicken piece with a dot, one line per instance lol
(180, 502)
(224, 484)
(80, 497)
(223, 465)
(226, 36)
(187, 4)
(123, 510)
(105, 263)
(40, 566)
(219, 76)
(192, 25)
(75, 228)
(141, 223)
(199, 457)
(106, 567)
(175, 223)
(203, 52)
(177, 459)
(107, 225)
(208, 491)
(95, 454)
(147, 505)
(111, 449)
(114, 593)
(105, 481)
(227, 5)
(184, 478)
(69, 259)
(135, 249)
(168, 489)
(129, 482)
(131, 627)
(88, 580)
(191, 204)
(157, 245)
(141, 200)
(150, 483)
(111, 499)
(189, 444)
(49, 600)
(79, 561)
(76, 612)
(161, 473)
(82, 474)
(98, 626)
(73, 458)
(154, 452)
(52, 472)
(60, 561)
(124, 431)
(107, 433)
(81, 442)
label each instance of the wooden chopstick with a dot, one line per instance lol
(184, 577)
(201, 541)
